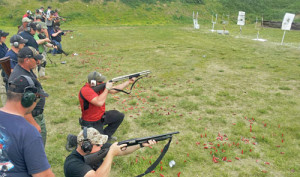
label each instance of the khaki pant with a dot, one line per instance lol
(42, 69)
(2, 91)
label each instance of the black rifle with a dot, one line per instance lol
(120, 78)
(94, 158)
(65, 31)
(60, 50)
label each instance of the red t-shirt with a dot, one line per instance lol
(93, 113)
(26, 15)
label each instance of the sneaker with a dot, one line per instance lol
(112, 139)
(71, 142)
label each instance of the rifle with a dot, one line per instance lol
(41, 36)
(94, 158)
(65, 31)
(58, 48)
(120, 78)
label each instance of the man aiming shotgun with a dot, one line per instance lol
(92, 97)
(93, 156)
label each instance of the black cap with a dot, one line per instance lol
(3, 34)
(22, 83)
(18, 38)
(32, 25)
(29, 52)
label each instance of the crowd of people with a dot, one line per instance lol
(23, 131)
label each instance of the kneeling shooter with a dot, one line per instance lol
(90, 141)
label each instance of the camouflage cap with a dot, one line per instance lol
(96, 76)
(93, 135)
(26, 20)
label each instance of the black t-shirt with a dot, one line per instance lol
(31, 41)
(58, 37)
(18, 70)
(76, 167)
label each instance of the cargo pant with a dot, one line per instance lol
(2, 91)
(41, 122)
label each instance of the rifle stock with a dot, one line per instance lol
(94, 158)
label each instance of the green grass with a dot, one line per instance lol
(239, 82)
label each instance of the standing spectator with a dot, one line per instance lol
(3, 47)
(25, 22)
(17, 43)
(27, 61)
(21, 144)
(3, 51)
(28, 33)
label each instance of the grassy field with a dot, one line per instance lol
(229, 96)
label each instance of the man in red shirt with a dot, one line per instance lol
(93, 105)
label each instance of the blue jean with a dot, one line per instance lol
(58, 44)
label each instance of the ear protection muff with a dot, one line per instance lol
(29, 96)
(93, 81)
(86, 145)
(16, 44)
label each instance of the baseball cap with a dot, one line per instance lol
(18, 38)
(93, 136)
(29, 52)
(38, 17)
(29, 12)
(96, 76)
(3, 34)
(33, 26)
(41, 25)
(22, 84)
(26, 19)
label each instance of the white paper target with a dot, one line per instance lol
(241, 18)
(287, 21)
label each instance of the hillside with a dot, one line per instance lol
(145, 12)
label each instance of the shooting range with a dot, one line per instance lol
(287, 24)
(229, 84)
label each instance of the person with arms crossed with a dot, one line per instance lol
(89, 140)
(22, 149)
